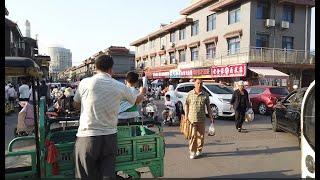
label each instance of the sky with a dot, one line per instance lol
(87, 27)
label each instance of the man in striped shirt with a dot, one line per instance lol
(99, 97)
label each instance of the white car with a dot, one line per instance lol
(219, 94)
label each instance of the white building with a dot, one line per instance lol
(61, 59)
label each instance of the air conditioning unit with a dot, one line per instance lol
(172, 44)
(162, 47)
(270, 23)
(285, 25)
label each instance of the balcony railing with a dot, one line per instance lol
(249, 55)
(256, 55)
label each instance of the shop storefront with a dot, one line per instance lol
(269, 76)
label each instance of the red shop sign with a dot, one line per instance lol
(201, 72)
(186, 73)
(238, 70)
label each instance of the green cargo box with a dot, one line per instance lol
(138, 147)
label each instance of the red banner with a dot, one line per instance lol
(238, 70)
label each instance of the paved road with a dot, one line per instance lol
(257, 152)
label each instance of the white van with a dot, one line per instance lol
(308, 133)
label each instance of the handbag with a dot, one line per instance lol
(186, 128)
(212, 130)
(249, 115)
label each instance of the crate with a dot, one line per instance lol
(124, 131)
(61, 137)
(134, 151)
(65, 161)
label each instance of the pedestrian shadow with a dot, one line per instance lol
(186, 145)
(251, 152)
(267, 174)
(171, 133)
(258, 129)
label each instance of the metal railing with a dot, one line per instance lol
(249, 55)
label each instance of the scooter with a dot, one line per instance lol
(151, 110)
(170, 117)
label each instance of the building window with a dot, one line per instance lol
(288, 13)
(182, 34)
(263, 9)
(182, 56)
(172, 36)
(234, 15)
(211, 22)
(234, 45)
(195, 28)
(262, 40)
(287, 42)
(211, 50)
(172, 58)
(194, 53)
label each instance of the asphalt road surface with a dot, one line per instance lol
(257, 152)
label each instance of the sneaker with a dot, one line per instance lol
(198, 153)
(239, 129)
(192, 155)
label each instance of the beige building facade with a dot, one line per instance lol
(267, 33)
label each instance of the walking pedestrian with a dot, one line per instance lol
(12, 94)
(44, 90)
(24, 92)
(6, 88)
(99, 97)
(196, 102)
(240, 102)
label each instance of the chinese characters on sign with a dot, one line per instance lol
(164, 74)
(175, 73)
(204, 72)
(238, 70)
(186, 73)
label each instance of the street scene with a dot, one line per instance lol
(221, 89)
(258, 152)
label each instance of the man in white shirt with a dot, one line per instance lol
(96, 144)
(24, 91)
(12, 96)
(6, 88)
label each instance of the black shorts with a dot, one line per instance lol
(23, 99)
(12, 99)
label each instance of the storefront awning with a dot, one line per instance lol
(268, 72)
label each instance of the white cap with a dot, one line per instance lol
(240, 83)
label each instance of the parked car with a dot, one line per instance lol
(219, 94)
(263, 98)
(286, 114)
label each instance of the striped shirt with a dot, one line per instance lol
(100, 97)
(197, 104)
